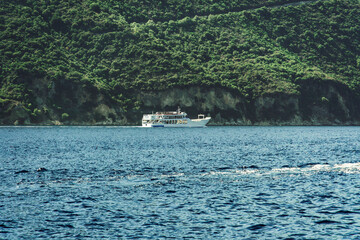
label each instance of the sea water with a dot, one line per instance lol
(206, 183)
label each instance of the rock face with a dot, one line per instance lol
(325, 103)
(319, 103)
(223, 106)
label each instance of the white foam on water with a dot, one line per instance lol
(172, 175)
(351, 168)
(231, 172)
(136, 179)
(215, 173)
(285, 170)
(344, 167)
(348, 167)
(320, 167)
(246, 171)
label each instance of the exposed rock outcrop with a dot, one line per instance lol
(319, 103)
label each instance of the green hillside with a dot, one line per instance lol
(165, 10)
(118, 48)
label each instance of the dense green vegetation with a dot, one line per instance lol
(120, 47)
(165, 10)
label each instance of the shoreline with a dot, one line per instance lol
(210, 125)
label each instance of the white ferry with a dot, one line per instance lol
(173, 119)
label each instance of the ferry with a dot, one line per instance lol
(173, 119)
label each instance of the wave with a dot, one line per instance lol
(145, 179)
(349, 168)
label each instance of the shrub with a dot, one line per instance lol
(64, 116)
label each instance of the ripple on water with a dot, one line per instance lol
(225, 183)
(256, 227)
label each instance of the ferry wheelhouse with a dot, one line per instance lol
(173, 119)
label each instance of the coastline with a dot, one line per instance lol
(211, 124)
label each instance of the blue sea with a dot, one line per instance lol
(205, 183)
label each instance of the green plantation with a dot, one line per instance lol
(120, 47)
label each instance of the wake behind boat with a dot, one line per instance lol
(173, 119)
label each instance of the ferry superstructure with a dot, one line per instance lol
(173, 119)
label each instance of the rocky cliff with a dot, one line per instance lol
(319, 103)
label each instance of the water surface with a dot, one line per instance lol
(206, 183)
